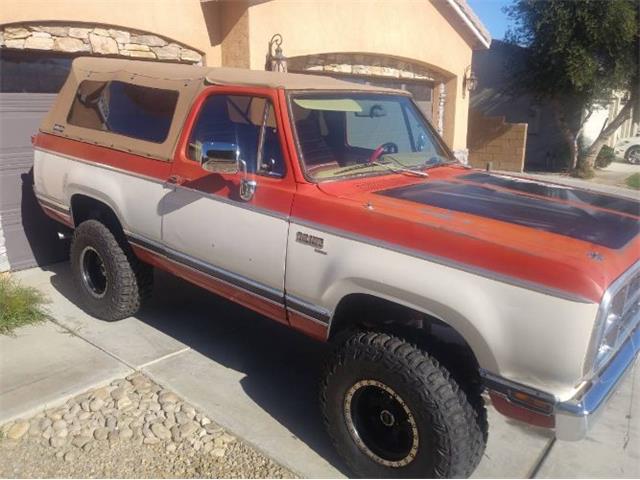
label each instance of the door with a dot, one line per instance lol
(29, 82)
(205, 223)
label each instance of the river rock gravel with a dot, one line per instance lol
(131, 428)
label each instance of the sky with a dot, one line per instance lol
(490, 12)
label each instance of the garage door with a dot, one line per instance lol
(28, 82)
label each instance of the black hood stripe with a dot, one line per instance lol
(601, 227)
(568, 194)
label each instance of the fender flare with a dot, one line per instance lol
(447, 314)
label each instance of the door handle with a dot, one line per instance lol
(174, 180)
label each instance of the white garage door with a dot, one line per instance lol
(28, 83)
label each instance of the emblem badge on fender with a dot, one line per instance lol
(312, 241)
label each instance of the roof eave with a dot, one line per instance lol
(473, 24)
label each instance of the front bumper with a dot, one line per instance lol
(571, 419)
(574, 417)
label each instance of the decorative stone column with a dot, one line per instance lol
(442, 97)
(95, 40)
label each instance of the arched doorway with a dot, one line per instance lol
(384, 71)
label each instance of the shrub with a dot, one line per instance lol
(633, 181)
(19, 305)
(605, 157)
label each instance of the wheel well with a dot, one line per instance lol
(85, 208)
(440, 340)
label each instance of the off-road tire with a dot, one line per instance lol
(452, 430)
(129, 281)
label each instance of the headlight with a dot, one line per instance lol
(618, 315)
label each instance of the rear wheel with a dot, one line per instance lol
(112, 283)
(393, 412)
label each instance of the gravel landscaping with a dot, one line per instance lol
(131, 428)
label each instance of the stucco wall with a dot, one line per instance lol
(234, 34)
(402, 28)
(180, 20)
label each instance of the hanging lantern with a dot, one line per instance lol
(276, 61)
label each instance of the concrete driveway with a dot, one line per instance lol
(609, 180)
(259, 380)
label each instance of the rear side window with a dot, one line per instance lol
(131, 110)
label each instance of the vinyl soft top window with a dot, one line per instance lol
(123, 108)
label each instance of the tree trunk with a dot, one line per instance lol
(569, 135)
(589, 158)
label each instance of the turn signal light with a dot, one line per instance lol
(531, 402)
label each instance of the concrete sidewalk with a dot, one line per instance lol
(259, 380)
(44, 365)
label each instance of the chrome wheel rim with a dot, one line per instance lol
(634, 156)
(93, 272)
(381, 423)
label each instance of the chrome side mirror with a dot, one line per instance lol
(219, 157)
(224, 157)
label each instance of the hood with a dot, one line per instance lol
(603, 220)
(575, 240)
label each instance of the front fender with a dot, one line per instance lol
(525, 335)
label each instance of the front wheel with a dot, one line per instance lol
(633, 155)
(393, 412)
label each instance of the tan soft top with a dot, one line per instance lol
(187, 80)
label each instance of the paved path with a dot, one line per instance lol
(259, 380)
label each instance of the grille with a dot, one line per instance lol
(619, 315)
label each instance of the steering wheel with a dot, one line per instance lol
(383, 149)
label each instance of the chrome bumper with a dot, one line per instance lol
(574, 417)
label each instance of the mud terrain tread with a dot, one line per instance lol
(132, 280)
(460, 428)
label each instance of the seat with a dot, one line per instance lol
(315, 149)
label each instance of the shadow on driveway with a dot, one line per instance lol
(281, 367)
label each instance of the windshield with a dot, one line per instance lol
(353, 134)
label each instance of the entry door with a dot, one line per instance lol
(205, 223)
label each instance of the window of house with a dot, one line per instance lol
(131, 110)
(246, 122)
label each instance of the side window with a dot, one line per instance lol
(232, 119)
(379, 122)
(240, 120)
(131, 110)
(272, 160)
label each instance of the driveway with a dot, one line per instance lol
(259, 380)
(609, 180)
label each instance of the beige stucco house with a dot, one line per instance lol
(424, 46)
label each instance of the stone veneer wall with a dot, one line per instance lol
(496, 143)
(360, 64)
(95, 41)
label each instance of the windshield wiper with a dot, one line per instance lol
(436, 161)
(383, 165)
